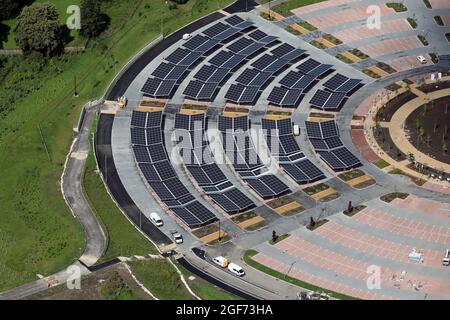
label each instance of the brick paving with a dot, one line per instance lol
(381, 48)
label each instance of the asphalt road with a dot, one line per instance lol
(73, 194)
(106, 165)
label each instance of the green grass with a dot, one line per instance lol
(204, 289)
(161, 278)
(114, 288)
(381, 163)
(279, 238)
(38, 233)
(295, 32)
(359, 53)
(397, 6)
(248, 259)
(123, 238)
(344, 58)
(288, 5)
(318, 44)
(412, 22)
(307, 26)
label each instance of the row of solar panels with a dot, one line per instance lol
(202, 168)
(338, 88)
(210, 76)
(245, 159)
(253, 79)
(297, 82)
(284, 147)
(154, 164)
(324, 136)
(169, 74)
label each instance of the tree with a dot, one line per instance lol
(93, 20)
(38, 29)
(8, 9)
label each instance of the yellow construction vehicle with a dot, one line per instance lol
(122, 102)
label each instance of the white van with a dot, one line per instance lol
(296, 130)
(187, 36)
(221, 261)
(156, 219)
(236, 269)
(446, 259)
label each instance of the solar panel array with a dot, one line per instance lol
(211, 76)
(206, 173)
(296, 83)
(338, 88)
(324, 137)
(253, 79)
(154, 164)
(169, 74)
(284, 148)
(240, 150)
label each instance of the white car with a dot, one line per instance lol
(236, 269)
(422, 59)
(177, 237)
(187, 36)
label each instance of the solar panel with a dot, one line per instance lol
(304, 82)
(292, 98)
(335, 101)
(247, 76)
(261, 79)
(308, 65)
(289, 144)
(182, 121)
(318, 144)
(273, 182)
(227, 34)
(205, 73)
(193, 88)
(249, 95)
(225, 203)
(138, 119)
(207, 46)
(178, 55)
(225, 123)
(234, 20)
(244, 25)
(276, 66)
(264, 61)
(282, 50)
(165, 89)
(252, 49)
(344, 155)
(234, 93)
(176, 73)
(261, 188)
(195, 42)
(240, 45)
(164, 170)
(151, 86)
(154, 119)
(293, 55)
(200, 212)
(348, 86)
(257, 34)
(329, 129)
(277, 95)
(162, 70)
(157, 152)
(332, 161)
(190, 59)
(219, 75)
(141, 154)
(320, 70)
(216, 29)
(138, 136)
(335, 82)
(268, 40)
(313, 130)
(233, 62)
(333, 142)
(220, 58)
(207, 91)
(320, 98)
(290, 79)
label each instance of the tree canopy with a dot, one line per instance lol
(38, 29)
(93, 20)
